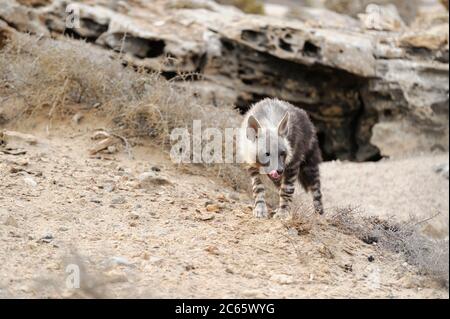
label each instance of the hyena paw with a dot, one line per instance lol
(281, 213)
(319, 210)
(260, 211)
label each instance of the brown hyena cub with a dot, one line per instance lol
(279, 140)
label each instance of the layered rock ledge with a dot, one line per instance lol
(374, 86)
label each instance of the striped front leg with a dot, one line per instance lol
(260, 208)
(286, 192)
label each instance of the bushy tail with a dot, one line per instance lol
(309, 177)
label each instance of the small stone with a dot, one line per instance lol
(110, 187)
(118, 200)
(292, 232)
(77, 118)
(155, 260)
(11, 221)
(252, 293)
(282, 279)
(112, 149)
(30, 181)
(443, 169)
(120, 261)
(229, 271)
(149, 179)
(189, 267)
(21, 162)
(133, 216)
(212, 250)
(206, 217)
(213, 208)
(14, 170)
(155, 169)
(222, 198)
(234, 196)
(46, 239)
(370, 258)
(24, 288)
(18, 136)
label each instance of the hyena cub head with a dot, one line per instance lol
(271, 148)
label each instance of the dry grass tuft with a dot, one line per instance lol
(247, 6)
(302, 225)
(407, 238)
(431, 257)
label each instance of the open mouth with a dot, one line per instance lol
(274, 175)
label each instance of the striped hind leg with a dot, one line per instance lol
(259, 208)
(286, 191)
(310, 179)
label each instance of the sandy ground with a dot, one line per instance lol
(397, 189)
(194, 237)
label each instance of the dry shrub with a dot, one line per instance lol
(407, 238)
(247, 6)
(302, 224)
(52, 75)
(48, 74)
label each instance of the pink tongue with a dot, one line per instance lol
(274, 174)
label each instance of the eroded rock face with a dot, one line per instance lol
(21, 17)
(373, 86)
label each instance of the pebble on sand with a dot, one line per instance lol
(30, 181)
(11, 221)
(151, 178)
(282, 279)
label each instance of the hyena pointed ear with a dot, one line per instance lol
(283, 128)
(252, 128)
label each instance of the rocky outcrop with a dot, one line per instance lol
(373, 85)
(22, 18)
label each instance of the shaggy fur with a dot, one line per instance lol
(289, 152)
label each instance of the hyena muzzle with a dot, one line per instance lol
(280, 140)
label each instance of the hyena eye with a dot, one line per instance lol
(283, 153)
(267, 154)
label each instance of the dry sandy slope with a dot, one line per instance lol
(161, 242)
(398, 189)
